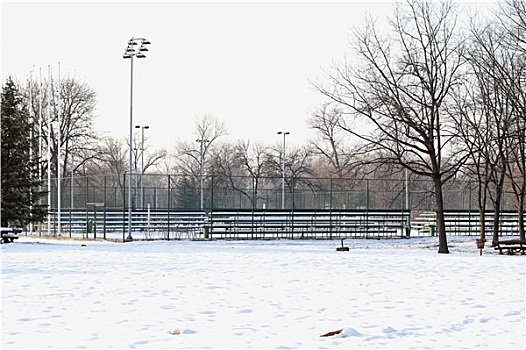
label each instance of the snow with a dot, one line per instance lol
(278, 294)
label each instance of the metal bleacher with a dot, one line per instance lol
(270, 224)
(465, 223)
(306, 224)
(233, 224)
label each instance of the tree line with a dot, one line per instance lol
(439, 94)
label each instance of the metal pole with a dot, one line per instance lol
(283, 177)
(202, 153)
(48, 151)
(142, 168)
(40, 137)
(202, 174)
(72, 173)
(40, 124)
(129, 238)
(59, 155)
(285, 133)
(137, 177)
(31, 155)
(142, 165)
(169, 206)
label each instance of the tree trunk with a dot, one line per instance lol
(441, 224)
(481, 194)
(482, 220)
(496, 216)
(520, 213)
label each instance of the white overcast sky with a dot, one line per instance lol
(247, 64)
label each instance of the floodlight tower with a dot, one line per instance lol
(130, 52)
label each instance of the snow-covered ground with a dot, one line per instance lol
(260, 294)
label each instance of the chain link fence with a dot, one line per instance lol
(98, 205)
(184, 193)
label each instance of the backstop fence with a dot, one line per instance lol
(184, 193)
(170, 206)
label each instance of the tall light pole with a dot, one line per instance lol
(202, 141)
(284, 133)
(130, 52)
(142, 161)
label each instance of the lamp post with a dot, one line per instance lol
(142, 161)
(202, 141)
(284, 133)
(130, 52)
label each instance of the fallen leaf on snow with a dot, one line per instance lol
(330, 334)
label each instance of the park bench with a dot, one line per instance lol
(9, 234)
(511, 247)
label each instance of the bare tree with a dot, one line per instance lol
(75, 103)
(243, 167)
(110, 158)
(207, 131)
(487, 60)
(401, 86)
(330, 142)
(191, 155)
(513, 23)
(492, 117)
(299, 172)
(472, 126)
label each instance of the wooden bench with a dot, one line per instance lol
(511, 247)
(9, 234)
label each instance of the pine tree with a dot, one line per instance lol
(187, 195)
(20, 186)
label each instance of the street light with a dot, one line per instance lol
(130, 52)
(142, 161)
(284, 133)
(202, 169)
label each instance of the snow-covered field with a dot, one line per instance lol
(260, 294)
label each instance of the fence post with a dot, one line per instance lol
(88, 228)
(169, 205)
(254, 200)
(367, 208)
(330, 211)
(211, 207)
(124, 208)
(86, 199)
(154, 198)
(104, 214)
(71, 205)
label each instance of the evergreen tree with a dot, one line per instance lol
(20, 186)
(187, 194)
